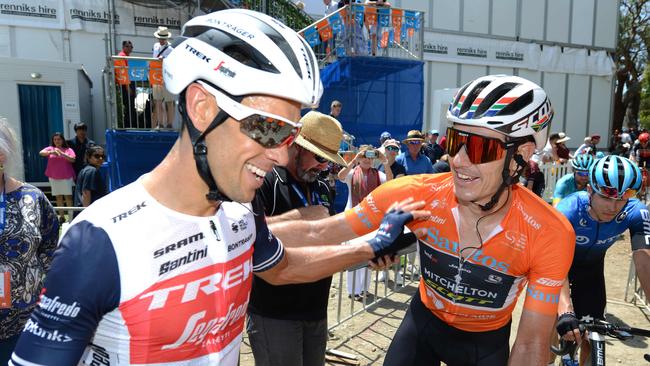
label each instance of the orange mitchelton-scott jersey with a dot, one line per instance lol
(533, 244)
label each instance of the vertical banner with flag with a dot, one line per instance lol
(409, 19)
(121, 68)
(324, 30)
(311, 36)
(336, 23)
(384, 39)
(155, 72)
(396, 15)
(384, 17)
(371, 16)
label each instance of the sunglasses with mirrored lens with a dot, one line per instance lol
(480, 149)
(611, 192)
(415, 142)
(392, 148)
(582, 174)
(320, 159)
(266, 129)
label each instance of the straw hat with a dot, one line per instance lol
(413, 135)
(562, 137)
(322, 135)
(162, 33)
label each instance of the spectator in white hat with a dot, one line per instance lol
(163, 101)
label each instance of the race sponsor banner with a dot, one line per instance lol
(91, 16)
(94, 16)
(324, 30)
(491, 52)
(32, 13)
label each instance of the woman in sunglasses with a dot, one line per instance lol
(391, 149)
(90, 183)
(575, 181)
(599, 216)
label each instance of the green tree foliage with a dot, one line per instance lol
(631, 59)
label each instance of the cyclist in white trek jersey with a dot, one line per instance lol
(158, 272)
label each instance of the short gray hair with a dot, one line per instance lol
(8, 144)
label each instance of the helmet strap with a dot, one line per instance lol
(507, 178)
(200, 149)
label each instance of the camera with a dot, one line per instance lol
(370, 154)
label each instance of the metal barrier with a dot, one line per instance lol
(367, 30)
(633, 291)
(404, 274)
(552, 173)
(134, 94)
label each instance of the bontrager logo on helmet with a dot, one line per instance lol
(510, 105)
(278, 61)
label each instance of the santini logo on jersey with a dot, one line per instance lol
(192, 256)
(179, 244)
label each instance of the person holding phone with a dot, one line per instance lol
(361, 179)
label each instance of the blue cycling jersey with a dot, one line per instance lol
(565, 186)
(594, 238)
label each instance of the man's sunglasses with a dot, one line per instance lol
(392, 148)
(267, 129)
(582, 174)
(612, 193)
(415, 142)
(480, 149)
(320, 159)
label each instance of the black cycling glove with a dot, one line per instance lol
(390, 237)
(566, 323)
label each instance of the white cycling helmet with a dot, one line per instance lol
(510, 105)
(278, 62)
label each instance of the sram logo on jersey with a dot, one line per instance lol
(191, 314)
(179, 244)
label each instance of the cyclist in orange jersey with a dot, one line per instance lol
(486, 240)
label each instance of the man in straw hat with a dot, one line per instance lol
(163, 101)
(414, 162)
(288, 323)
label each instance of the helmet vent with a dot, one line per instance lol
(517, 105)
(459, 94)
(472, 96)
(493, 97)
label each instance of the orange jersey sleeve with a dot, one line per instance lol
(551, 257)
(367, 215)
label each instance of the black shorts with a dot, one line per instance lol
(587, 283)
(424, 340)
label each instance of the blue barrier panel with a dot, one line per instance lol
(133, 153)
(378, 94)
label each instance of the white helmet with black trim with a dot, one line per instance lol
(510, 105)
(239, 53)
(277, 61)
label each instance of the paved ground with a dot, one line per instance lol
(368, 334)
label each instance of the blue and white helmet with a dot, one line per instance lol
(582, 162)
(613, 175)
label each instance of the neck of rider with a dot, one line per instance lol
(178, 168)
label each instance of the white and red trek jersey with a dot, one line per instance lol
(135, 283)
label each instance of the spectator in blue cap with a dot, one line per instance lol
(383, 137)
(433, 150)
